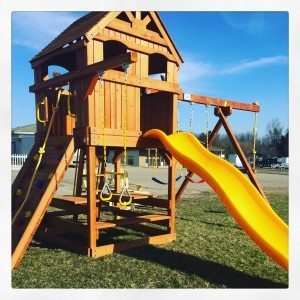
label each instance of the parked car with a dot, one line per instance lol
(267, 162)
(277, 166)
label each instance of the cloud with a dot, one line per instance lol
(193, 69)
(36, 29)
(252, 23)
(262, 62)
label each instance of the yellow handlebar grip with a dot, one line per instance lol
(38, 112)
(69, 106)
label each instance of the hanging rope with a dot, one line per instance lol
(41, 152)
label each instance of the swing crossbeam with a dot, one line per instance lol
(200, 99)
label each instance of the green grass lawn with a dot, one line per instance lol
(211, 251)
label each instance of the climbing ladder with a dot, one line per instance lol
(28, 215)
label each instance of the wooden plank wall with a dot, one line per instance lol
(113, 95)
(155, 109)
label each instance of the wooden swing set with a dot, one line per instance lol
(110, 102)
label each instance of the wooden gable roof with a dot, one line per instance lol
(76, 30)
(91, 24)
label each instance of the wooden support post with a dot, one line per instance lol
(172, 169)
(78, 190)
(239, 150)
(171, 192)
(91, 198)
(78, 177)
(100, 180)
(211, 139)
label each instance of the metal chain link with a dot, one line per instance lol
(207, 124)
(254, 139)
(178, 116)
(191, 116)
(101, 73)
(125, 68)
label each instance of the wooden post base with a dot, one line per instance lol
(122, 246)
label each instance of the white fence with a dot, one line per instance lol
(17, 161)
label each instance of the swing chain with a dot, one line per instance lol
(207, 124)
(178, 129)
(254, 136)
(125, 68)
(191, 116)
(101, 74)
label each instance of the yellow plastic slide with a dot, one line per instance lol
(247, 206)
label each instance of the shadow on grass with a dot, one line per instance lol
(209, 223)
(215, 211)
(221, 225)
(212, 272)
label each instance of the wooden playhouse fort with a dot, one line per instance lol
(106, 101)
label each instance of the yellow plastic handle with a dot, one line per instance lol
(38, 112)
(125, 203)
(125, 189)
(110, 194)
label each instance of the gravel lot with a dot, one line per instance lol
(142, 176)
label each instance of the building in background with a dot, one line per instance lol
(22, 139)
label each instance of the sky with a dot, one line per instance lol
(241, 56)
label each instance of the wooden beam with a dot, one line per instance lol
(239, 151)
(135, 220)
(122, 246)
(134, 46)
(146, 20)
(101, 24)
(140, 81)
(129, 15)
(110, 63)
(218, 102)
(146, 34)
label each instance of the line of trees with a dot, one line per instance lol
(275, 142)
